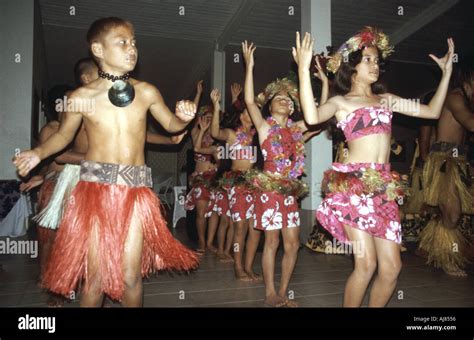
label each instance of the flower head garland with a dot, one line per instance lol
(289, 154)
(286, 85)
(367, 37)
(204, 109)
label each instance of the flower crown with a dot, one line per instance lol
(286, 85)
(367, 37)
(204, 109)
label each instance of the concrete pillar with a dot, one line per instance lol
(218, 74)
(315, 19)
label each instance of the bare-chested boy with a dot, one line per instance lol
(85, 71)
(447, 171)
(113, 232)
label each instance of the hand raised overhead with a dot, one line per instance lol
(446, 63)
(303, 52)
(247, 51)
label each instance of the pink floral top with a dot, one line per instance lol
(367, 120)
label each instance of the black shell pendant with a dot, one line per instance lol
(121, 93)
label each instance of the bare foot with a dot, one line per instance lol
(201, 251)
(224, 258)
(291, 303)
(456, 272)
(254, 276)
(274, 301)
(242, 276)
(212, 249)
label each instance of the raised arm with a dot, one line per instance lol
(321, 75)
(433, 109)
(185, 111)
(303, 53)
(235, 90)
(216, 131)
(197, 98)
(249, 93)
(204, 125)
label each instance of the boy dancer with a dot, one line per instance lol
(113, 231)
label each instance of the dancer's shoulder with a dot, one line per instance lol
(147, 89)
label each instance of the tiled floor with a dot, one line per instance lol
(318, 281)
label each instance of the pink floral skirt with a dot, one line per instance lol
(349, 203)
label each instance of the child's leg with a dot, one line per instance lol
(132, 261)
(201, 207)
(92, 295)
(291, 244)
(251, 250)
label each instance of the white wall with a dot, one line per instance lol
(16, 87)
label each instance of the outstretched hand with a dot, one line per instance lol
(247, 51)
(199, 86)
(446, 63)
(26, 161)
(303, 52)
(235, 90)
(185, 110)
(321, 75)
(32, 183)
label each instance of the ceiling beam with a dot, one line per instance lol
(235, 23)
(422, 19)
(204, 63)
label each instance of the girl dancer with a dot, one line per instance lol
(241, 199)
(200, 180)
(360, 206)
(218, 208)
(278, 186)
